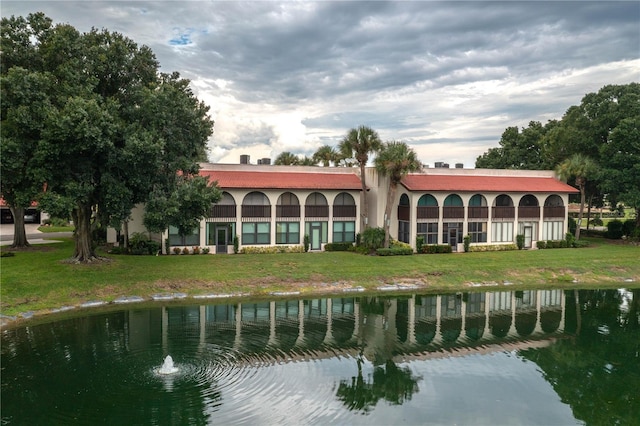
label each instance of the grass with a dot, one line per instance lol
(48, 229)
(38, 280)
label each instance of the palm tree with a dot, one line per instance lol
(394, 160)
(325, 155)
(581, 167)
(287, 159)
(358, 144)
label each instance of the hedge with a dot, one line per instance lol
(338, 246)
(394, 251)
(436, 248)
(493, 247)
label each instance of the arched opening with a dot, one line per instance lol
(404, 217)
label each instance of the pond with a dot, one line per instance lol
(509, 357)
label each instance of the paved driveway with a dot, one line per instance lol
(33, 235)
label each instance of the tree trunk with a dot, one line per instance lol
(582, 202)
(83, 252)
(589, 213)
(19, 233)
(365, 202)
(391, 195)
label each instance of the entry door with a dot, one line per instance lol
(453, 239)
(528, 233)
(316, 236)
(221, 240)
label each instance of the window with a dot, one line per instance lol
(192, 239)
(403, 231)
(344, 232)
(502, 232)
(478, 232)
(452, 233)
(429, 231)
(288, 233)
(553, 230)
(256, 233)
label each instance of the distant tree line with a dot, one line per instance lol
(595, 146)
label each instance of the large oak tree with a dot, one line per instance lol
(115, 131)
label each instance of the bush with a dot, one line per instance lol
(272, 249)
(236, 244)
(520, 241)
(615, 229)
(570, 240)
(419, 243)
(338, 246)
(141, 244)
(541, 245)
(306, 243)
(572, 225)
(176, 250)
(493, 247)
(467, 243)
(436, 248)
(394, 251)
(629, 227)
(196, 250)
(185, 250)
(373, 238)
(581, 243)
(596, 221)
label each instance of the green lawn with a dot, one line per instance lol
(37, 279)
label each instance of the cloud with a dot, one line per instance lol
(447, 77)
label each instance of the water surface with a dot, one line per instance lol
(522, 357)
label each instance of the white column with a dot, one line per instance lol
(300, 338)
(203, 323)
(437, 339)
(273, 339)
(238, 340)
(411, 335)
(328, 338)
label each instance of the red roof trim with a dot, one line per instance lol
(283, 180)
(471, 183)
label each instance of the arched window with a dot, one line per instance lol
(344, 206)
(316, 205)
(453, 200)
(553, 201)
(288, 205)
(478, 200)
(528, 201)
(427, 200)
(225, 208)
(404, 216)
(503, 200)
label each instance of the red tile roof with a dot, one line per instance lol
(470, 183)
(228, 179)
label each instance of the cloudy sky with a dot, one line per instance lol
(445, 77)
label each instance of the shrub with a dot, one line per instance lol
(570, 239)
(373, 238)
(541, 244)
(419, 243)
(394, 251)
(572, 225)
(615, 229)
(493, 247)
(467, 243)
(306, 242)
(629, 227)
(176, 250)
(196, 250)
(338, 246)
(185, 250)
(205, 250)
(436, 248)
(140, 244)
(596, 221)
(581, 243)
(236, 244)
(520, 241)
(272, 249)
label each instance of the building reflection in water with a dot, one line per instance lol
(379, 328)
